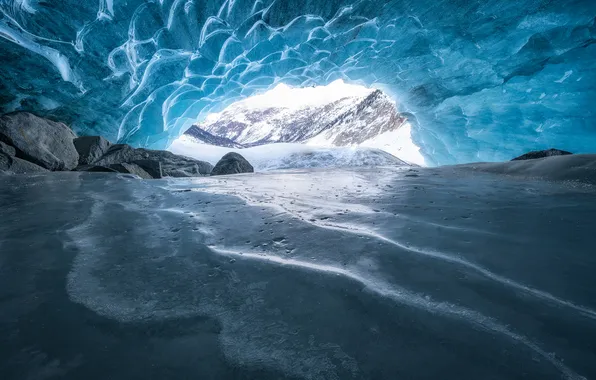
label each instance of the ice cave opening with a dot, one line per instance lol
(336, 125)
(480, 80)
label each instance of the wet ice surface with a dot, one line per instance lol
(369, 273)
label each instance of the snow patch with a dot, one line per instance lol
(288, 156)
(399, 144)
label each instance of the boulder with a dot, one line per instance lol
(91, 148)
(150, 166)
(5, 162)
(232, 163)
(24, 167)
(15, 165)
(119, 153)
(95, 169)
(193, 170)
(569, 167)
(185, 171)
(40, 141)
(143, 168)
(541, 154)
(131, 169)
(7, 149)
(172, 165)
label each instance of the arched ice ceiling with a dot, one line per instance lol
(481, 79)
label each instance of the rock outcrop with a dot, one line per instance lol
(91, 148)
(29, 143)
(172, 165)
(95, 169)
(14, 165)
(232, 163)
(567, 167)
(150, 166)
(24, 167)
(131, 169)
(200, 135)
(40, 141)
(9, 163)
(146, 169)
(541, 154)
(7, 149)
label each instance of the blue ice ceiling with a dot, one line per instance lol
(482, 79)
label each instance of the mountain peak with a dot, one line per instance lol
(342, 120)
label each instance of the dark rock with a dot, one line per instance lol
(150, 166)
(131, 169)
(147, 169)
(55, 147)
(185, 171)
(40, 141)
(91, 148)
(118, 153)
(7, 149)
(95, 169)
(542, 154)
(172, 165)
(15, 165)
(5, 162)
(20, 166)
(232, 163)
(569, 167)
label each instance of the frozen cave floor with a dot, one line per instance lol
(364, 273)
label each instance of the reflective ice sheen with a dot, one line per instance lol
(480, 80)
(304, 274)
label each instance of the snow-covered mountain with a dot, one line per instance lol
(288, 155)
(338, 115)
(258, 126)
(365, 119)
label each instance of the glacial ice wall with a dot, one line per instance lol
(480, 79)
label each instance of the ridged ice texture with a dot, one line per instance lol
(482, 79)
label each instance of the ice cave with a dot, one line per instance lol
(480, 80)
(297, 189)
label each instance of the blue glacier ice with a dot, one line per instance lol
(481, 80)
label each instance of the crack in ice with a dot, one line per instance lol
(406, 297)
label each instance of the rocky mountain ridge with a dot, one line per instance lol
(351, 120)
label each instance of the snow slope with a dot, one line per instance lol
(288, 156)
(397, 143)
(285, 114)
